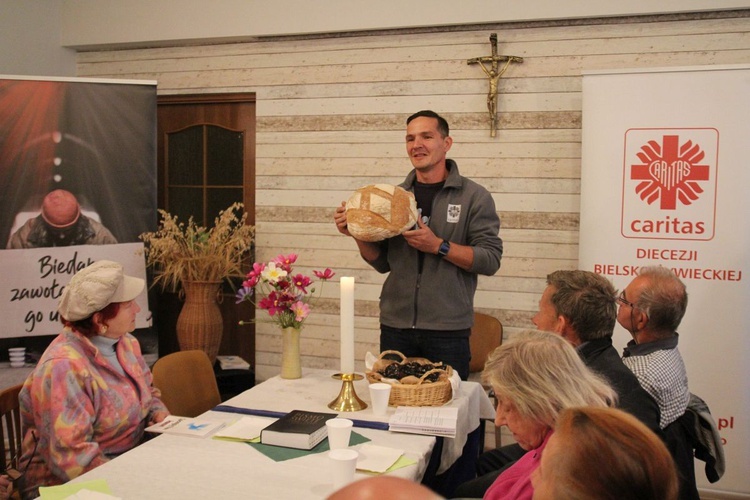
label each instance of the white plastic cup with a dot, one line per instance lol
(379, 394)
(343, 466)
(339, 431)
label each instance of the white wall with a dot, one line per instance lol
(94, 24)
(330, 119)
(34, 35)
(30, 39)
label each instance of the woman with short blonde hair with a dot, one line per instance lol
(535, 376)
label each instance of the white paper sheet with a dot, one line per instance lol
(244, 429)
(376, 458)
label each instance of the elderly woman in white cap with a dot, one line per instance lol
(91, 394)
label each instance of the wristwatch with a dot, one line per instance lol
(445, 247)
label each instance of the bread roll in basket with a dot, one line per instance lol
(380, 211)
(417, 391)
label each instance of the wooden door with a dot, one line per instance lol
(205, 162)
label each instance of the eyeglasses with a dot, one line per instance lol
(14, 474)
(622, 300)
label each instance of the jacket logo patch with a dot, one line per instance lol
(454, 213)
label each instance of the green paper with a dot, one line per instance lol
(65, 490)
(279, 453)
(398, 464)
(236, 440)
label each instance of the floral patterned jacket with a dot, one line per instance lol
(81, 411)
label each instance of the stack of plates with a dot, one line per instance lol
(17, 356)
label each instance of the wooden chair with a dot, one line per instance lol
(187, 383)
(10, 428)
(486, 336)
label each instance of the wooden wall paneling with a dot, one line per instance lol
(330, 118)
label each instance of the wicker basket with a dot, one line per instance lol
(423, 393)
(200, 324)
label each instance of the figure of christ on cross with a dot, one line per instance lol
(491, 66)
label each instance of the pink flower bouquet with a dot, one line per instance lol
(286, 296)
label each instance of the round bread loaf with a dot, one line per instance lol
(380, 211)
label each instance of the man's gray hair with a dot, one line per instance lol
(664, 299)
(588, 300)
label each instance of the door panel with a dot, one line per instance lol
(205, 162)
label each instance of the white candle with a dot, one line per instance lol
(347, 324)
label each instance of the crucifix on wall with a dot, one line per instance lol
(491, 66)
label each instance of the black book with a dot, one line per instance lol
(297, 429)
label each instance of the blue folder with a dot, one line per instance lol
(383, 426)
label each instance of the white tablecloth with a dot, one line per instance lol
(316, 389)
(170, 466)
(179, 467)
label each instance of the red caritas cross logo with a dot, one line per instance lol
(670, 171)
(669, 183)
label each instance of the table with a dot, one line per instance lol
(169, 466)
(316, 389)
(13, 376)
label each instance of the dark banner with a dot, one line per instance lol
(78, 177)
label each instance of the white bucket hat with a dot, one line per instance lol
(95, 287)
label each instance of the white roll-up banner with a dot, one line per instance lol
(664, 181)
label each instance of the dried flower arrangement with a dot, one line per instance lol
(181, 252)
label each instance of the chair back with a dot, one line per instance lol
(10, 428)
(187, 383)
(678, 438)
(486, 336)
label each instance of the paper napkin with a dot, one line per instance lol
(376, 458)
(244, 429)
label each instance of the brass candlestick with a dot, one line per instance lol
(347, 399)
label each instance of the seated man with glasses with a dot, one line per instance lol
(651, 309)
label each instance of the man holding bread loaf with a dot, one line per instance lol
(427, 301)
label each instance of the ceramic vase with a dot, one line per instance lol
(290, 359)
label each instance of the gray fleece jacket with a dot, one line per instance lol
(441, 297)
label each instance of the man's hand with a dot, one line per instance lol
(340, 219)
(422, 238)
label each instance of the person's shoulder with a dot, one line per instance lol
(651, 368)
(622, 378)
(63, 362)
(66, 347)
(93, 222)
(130, 342)
(473, 188)
(603, 358)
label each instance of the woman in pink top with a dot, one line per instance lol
(91, 394)
(534, 377)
